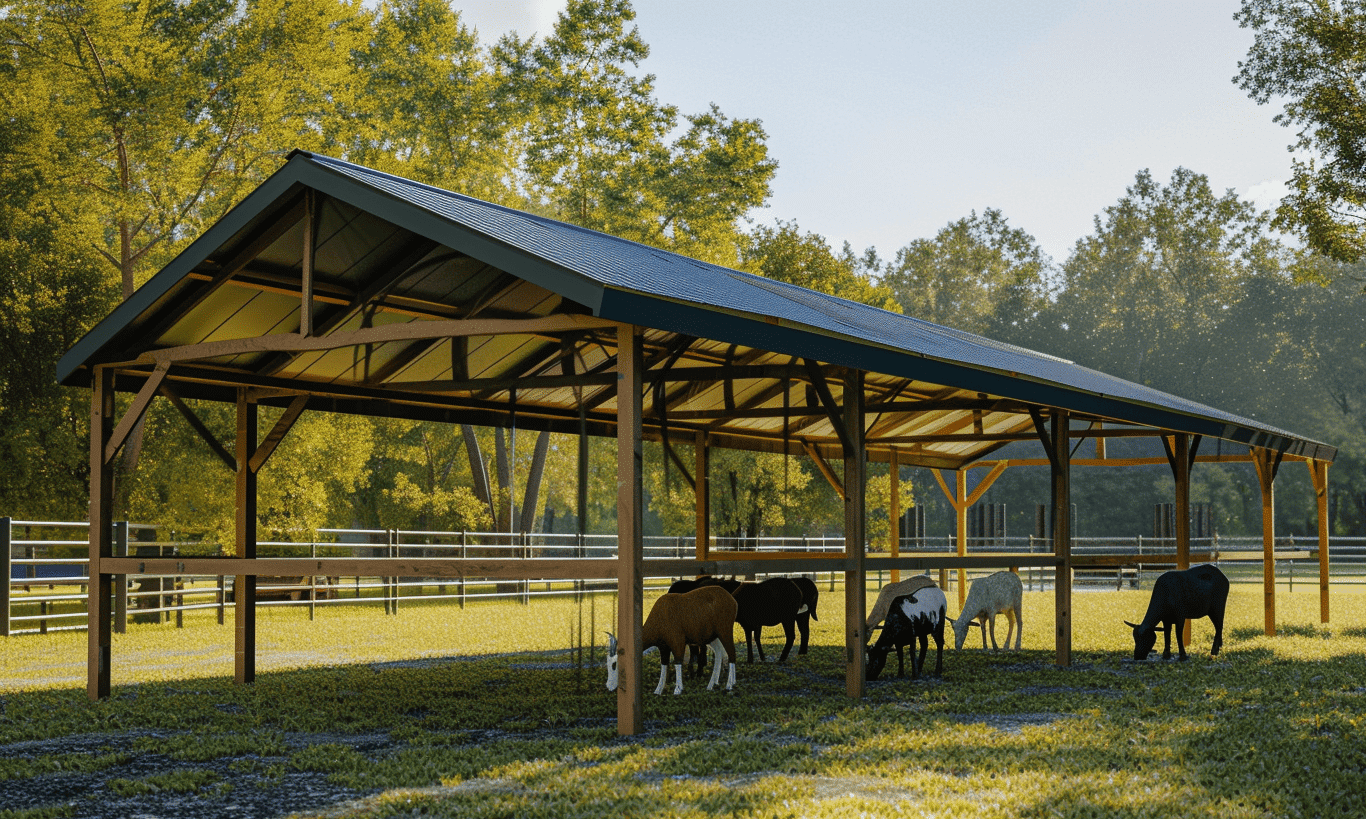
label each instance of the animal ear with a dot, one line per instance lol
(1130, 625)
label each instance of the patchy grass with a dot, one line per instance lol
(1274, 726)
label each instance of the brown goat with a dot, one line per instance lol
(704, 616)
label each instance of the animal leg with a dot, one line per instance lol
(730, 681)
(663, 676)
(716, 649)
(1218, 634)
(982, 624)
(678, 679)
(938, 635)
(1181, 639)
(803, 626)
(916, 665)
(1019, 626)
(991, 623)
(1167, 640)
(790, 632)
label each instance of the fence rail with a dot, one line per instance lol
(47, 567)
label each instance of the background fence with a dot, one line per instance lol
(47, 567)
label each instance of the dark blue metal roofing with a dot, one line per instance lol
(629, 282)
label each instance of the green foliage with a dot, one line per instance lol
(1312, 55)
(24, 767)
(784, 253)
(182, 780)
(977, 274)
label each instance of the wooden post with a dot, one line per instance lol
(121, 580)
(1181, 466)
(960, 509)
(702, 492)
(306, 271)
(1267, 463)
(6, 566)
(630, 539)
(99, 610)
(1060, 458)
(894, 510)
(244, 586)
(855, 480)
(1318, 470)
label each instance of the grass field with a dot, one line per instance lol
(487, 712)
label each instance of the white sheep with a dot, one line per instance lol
(999, 593)
(704, 616)
(890, 592)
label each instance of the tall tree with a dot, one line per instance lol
(784, 253)
(1143, 296)
(977, 274)
(1312, 54)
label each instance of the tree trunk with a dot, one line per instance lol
(478, 471)
(533, 482)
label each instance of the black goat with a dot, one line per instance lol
(774, 602)
(1178, 596)
(912, 617)
(810, 595)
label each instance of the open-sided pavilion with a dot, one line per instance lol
(333, 287)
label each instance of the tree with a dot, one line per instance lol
(1144, 296)
(784, 253)
(1312, 53)
(977, 274)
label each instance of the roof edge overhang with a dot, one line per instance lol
(680, 317)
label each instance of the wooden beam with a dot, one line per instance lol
(1180, 455)
(1062, 533)
(855, 529)
(630, 534)
(541, 382)
(702, 495)
(1318, 472)
(135, 411)
(824, 468)
(244, 586)
(1266, 463)
(408, 331)
(101, 588)
(306, 271)
(278, 432)
(827, 399)
(894, 509)
(204, 432)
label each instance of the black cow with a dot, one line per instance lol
(1178, 596)
(912, 617)
(774, 602)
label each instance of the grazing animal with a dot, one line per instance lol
(890, 592)
(774, 602)
(998, 593)
(911, 617)
(704, 616)
(697, 655)
(1178, 596)
(810, 596)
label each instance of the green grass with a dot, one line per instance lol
(1273, 727)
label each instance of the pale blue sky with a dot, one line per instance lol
(891, 119)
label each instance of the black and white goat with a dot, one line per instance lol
(704, 616)
(1178, 596)
(914, 617)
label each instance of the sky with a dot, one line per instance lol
(889, 120)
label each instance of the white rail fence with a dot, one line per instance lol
(47, 566)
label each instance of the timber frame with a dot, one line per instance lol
(333, 288)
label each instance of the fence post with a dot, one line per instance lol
(464, 552)
(7, 561)
(393, 579)
(312, 581)
(120, 580)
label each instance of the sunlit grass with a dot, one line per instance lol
(1274, 726)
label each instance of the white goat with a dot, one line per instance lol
(998, 593)
(702, 617)
(890, 592)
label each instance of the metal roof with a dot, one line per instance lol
(739, 356)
